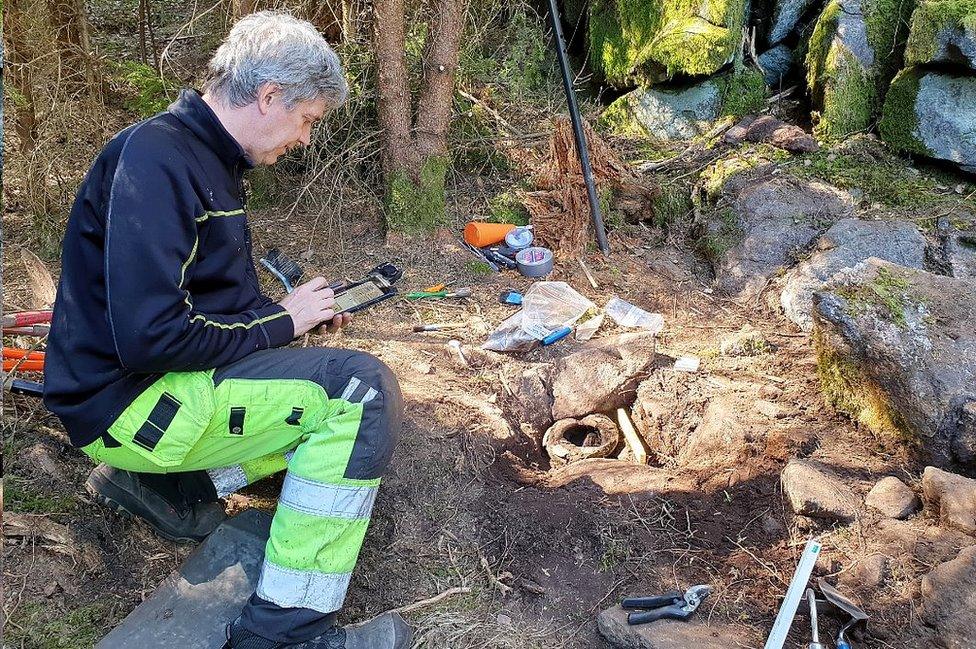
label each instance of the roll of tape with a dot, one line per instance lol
(534, 262)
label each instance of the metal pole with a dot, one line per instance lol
(574, 116)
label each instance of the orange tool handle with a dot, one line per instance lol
(24, 366)
(11, 352)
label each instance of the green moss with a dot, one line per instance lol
(846, 94)
(647, 39)
(672, 205)
(148, 93)
(716, 175)
(417, 206)
(932, 17)
(744, 93)
(864, 164)
(848, 98)
(716, 243)
(507, 208)
(849, 390)
(619, 118)
(41, 626)
(886, 292)
(899, 121)
(693, 46)
(478, 268)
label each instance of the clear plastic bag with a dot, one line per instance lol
(546, 307)
(626, 314)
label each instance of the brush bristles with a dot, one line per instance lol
(280, 262)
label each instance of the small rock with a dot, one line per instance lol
(893, 498)
(774, 131)
(504, 620)
(666, 634)
(814, 490)
(953, 495)
(770, 409)
(672, 114)
(949, 600)
(748, 341)
(868, 574)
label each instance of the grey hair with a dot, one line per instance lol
(276, 47)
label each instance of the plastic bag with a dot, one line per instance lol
(546, 307)
(626, 314)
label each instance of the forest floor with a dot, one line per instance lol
(469, 502)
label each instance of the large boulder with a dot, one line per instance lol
(846, 243)
(949, 601)
(674, 114)
(786, 18)
(850, 62)
(933, 114)
(762, 222)
(942, 32)
(896, 351)
(601, 376)
(652, 40)
(777, 63)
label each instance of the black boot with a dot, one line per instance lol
(179, 506)
(388, 631)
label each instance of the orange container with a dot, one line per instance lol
(480, 234)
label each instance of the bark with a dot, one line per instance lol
(70, 29)
(393, 86)
(414, 155)
(440, 64)
(19, 55)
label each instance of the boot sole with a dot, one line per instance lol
(115, 506)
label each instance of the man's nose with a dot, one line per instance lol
(306, 136)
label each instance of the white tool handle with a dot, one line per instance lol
(784, 619)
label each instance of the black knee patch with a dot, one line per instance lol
(382, 417)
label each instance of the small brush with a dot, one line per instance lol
(283, 268)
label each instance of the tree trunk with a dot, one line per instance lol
(70, 28)
(415, 157)
(19, 55)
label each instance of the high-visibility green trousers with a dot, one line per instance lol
(331, 417)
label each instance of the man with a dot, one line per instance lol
(161, 363)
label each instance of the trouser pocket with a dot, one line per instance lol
(164, 422)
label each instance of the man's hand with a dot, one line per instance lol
(311, 304)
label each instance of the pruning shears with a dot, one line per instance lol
(670, 606)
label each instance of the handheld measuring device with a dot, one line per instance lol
(375, 287)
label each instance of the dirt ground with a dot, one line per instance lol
(469, 501)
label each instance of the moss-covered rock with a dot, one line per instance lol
(650, 40)
(417, 205)
(896, 351)
(943, 31)
(853, 52)
(673, 114)
(932, 114)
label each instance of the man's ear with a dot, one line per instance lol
(268, 94)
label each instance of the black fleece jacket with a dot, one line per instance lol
(157, 274)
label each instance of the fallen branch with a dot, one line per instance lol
(459, 590)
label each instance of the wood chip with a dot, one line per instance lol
(41, 283)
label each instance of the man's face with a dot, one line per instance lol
(282, 129)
